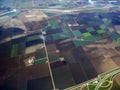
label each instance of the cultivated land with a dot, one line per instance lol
(52, 47)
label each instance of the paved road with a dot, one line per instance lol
(107, 76)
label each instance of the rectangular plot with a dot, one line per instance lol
(114, 36)
(34, 42)
(51, 48)
(62, 36)
(118, 41)
(62, 77)
(101, 31)
(21, 48)
(27, 4)
(83, 30)
(5, 49)
(47, 28)
(17, 31)
(90, 22)
(49, 40)
(68, 55)
(18, 40)
(87, 34)
(34, 37)
(53, 23)
(65, 29)
(94, 33)
(98, 37)
(90, 29)
(42, 60)
(44, 83)
(85, 63)
(40, 53)
(54, 31)
(85, 41)
(17, 49)
(108, 22)
(50, 14)
(14, 49)
(102, 26)
(53, 57)
(64, 17)
(77, 33)
(78, 43)
(90, 39)
(77, 73)
(25, 88)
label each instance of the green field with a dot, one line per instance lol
(61, 36)
(53, 23)
(101, 31)
(17, 49)
(77, 33)
(114, 36)
(33, 37)
(42, 60)
(87, 34)
(118, 41)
